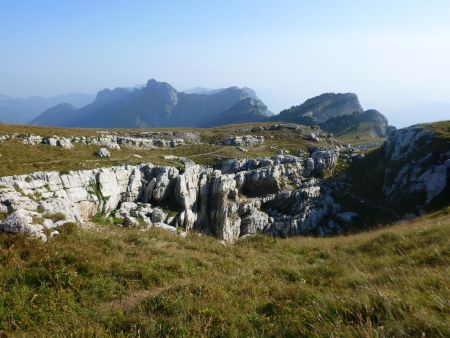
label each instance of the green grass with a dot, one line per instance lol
(126, 282)
(17, 158)
(55, 217)
(442, 129)
(362, 134)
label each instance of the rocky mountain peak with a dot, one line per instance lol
(153, 84)
(107, 95)
(323, 107)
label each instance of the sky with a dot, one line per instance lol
(393, 54)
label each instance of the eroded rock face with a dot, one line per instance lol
(404, 141)
(427, 174)
(245, 197)
(243, 141)
(253, 220)
(110, 141)
(413, 178)
(325, 159)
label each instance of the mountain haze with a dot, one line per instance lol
(157, 104)
(337, 113)
(321, 108)
(24, 110)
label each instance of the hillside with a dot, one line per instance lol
(124, 282)
(370, 122)
(165, 234)
(278, 179)
(18, 157)
(55, 115)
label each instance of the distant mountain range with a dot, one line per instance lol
(24, 110)
(338, 114)
(158, 104)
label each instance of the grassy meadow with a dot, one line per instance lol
(17, 158)
(110, 281)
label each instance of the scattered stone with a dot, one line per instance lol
(311, 137)
(103, 152)
(110, 140)
(243, 141)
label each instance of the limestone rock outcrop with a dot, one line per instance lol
(239, 199)
(243, 141)
(110, 140)
(421, 170)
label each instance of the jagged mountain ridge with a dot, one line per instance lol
(245, 111)
(337, 113)
(321, 108)
(156, 105)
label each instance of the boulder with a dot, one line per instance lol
(325, 159)
(65, 143)
(253, 220)
(158, 215)
(22, 222)
(164, 226)
(103, 152)
(243, 141)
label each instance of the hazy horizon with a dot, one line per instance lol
(393, 55)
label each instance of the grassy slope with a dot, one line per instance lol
(17, 158)
(125, 282)
(363, 134)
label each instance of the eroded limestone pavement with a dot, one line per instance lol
(242, 197)
(144, 140)
(278, 196)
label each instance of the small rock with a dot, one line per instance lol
(103, 152)
(165, 226)
(158, 216)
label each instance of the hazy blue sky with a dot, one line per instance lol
(392, 53)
